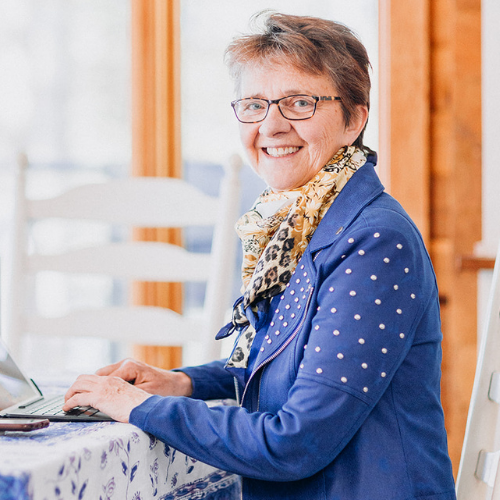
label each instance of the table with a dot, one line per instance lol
(105, 461)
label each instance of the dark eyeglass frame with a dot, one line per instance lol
(277, 101)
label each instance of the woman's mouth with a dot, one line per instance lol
(279, 152)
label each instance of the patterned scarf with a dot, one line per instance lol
(274, 244)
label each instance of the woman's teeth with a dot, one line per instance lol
(277, 152)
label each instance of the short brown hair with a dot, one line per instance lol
(313, 45)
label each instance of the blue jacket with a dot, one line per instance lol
(343, 402)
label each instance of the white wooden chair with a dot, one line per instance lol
(478, 476)
(132, 202)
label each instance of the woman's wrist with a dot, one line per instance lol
(184, 384)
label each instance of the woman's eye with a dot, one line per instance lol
(301, 103)
(253, 106)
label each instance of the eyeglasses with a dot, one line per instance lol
(292, 107)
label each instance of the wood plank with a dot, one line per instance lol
(156, 141)
(431, 157)
(456, 196)
(404, 55)
(473, 263)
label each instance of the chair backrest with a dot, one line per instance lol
(130, 202)
(478, 477)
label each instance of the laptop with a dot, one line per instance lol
(21, 397)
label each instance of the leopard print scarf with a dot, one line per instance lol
(273, 245)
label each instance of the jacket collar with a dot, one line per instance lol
(363, 187)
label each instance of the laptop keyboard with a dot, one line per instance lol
(54, 407)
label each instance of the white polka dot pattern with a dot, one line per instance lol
(366, 310)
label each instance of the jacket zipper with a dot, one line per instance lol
(279, 351)
(237, 391)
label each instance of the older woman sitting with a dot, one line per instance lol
(336, 362)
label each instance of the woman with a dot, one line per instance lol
(337, 355)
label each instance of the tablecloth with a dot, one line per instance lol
(104, 460)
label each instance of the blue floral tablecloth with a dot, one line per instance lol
(105, 461)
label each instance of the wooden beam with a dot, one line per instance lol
(430, 54)
(473, 263)
(156, 141)
(404, 106)
(456, 195)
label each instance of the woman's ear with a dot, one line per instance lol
(357, 123)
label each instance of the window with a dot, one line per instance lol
(65, 99)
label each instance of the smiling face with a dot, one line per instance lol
(287, 154)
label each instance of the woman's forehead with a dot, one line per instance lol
(281, 78)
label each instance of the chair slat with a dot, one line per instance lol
(487, 467)
(136, 201)
(147, 261)
(144, 324)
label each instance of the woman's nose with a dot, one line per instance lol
(274, 123)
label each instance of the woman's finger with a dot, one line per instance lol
(83, 383)
(128, 371)
(111, 395)
(78, 399)
(109, 369)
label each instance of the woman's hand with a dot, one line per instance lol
(150, 379)
(118, 388)
(111, 395)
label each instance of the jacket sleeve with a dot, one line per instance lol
(210, 381)
(367, 305)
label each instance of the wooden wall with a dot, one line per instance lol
(431, 154)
